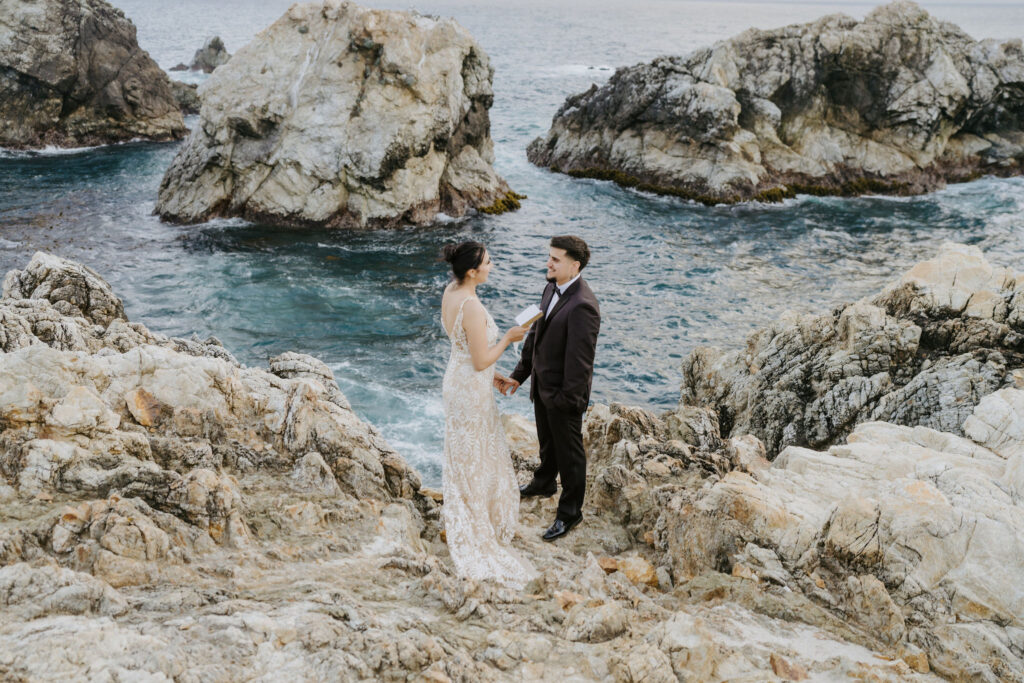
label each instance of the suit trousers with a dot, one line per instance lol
(562, 455)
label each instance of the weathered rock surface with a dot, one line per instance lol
(906, 540)
(167, 513)
(73, 74)
(923, 352)
(342, 117)
(211, 55)
(897, 103)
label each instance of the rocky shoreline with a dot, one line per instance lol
(899, 103)
(168, 513)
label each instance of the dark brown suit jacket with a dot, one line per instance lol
(558, 353)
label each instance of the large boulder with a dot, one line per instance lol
(923, 352)
(340, 116)
(898, 103)
(73, 74)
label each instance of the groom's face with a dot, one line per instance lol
(561, 268)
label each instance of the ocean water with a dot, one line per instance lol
(671, 275)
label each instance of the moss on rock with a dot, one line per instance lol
(510, 201)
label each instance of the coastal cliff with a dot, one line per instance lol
(168, 512)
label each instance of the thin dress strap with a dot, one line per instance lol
(458, 318)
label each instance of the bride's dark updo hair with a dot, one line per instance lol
(464, 257)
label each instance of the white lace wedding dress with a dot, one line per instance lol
(481, 496)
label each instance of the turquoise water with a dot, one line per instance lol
(671, 275)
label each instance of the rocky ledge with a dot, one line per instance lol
(72, 74)
(343, 117)
(166, 512)
(923, 352)
(897, 103)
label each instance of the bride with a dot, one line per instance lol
(481, 495)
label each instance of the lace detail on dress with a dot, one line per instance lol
(481, 495)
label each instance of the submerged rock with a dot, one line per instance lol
(897, 103)
(211, 55)
(342, 117)
(923, 352)
(73, 74)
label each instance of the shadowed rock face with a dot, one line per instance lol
(923, 352)
(72, 74)
(898, 103)
(343, 117)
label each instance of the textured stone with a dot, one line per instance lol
(187, 97)
(73, 74)
(899, 102)
(36, 591)
(343, 117)
(916, 354)
(211, 55)
(257, 525)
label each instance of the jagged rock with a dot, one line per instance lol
(922, 352)
(291, 365)
(126, 542)
(211, 55)
(312, 472)
(343, 117)
(73, 74)
(106, 407)
(74, 290)
(901, 526)
(595, 624)
(187, 97)
(899, 102)
(252, 523)
(36, 591)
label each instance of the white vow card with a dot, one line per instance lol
(527, 317)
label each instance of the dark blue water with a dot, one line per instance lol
(671, 275)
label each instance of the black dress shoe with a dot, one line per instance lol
(560, 528)
(530, 490)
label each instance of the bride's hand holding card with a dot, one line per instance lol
(527, 317)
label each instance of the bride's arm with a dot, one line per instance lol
(474, 321)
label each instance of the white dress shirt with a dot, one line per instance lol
(559, 291)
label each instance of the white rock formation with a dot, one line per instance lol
(166, 513)
(346, 117)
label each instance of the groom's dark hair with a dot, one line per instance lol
(574, 246)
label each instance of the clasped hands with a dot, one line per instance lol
(506, 385)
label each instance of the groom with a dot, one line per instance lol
(558, 355)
